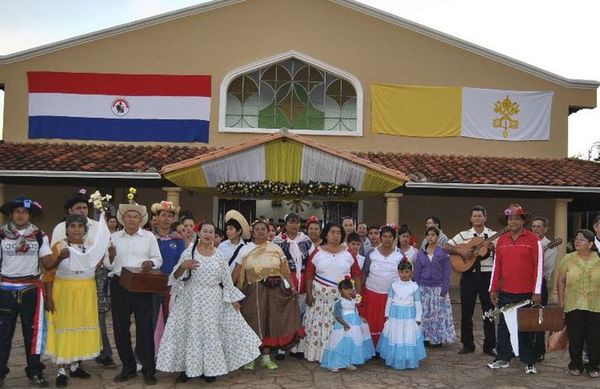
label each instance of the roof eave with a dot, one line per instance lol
(502, 187)
(80, 174)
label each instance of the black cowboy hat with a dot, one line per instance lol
(81, 196)
(33, 207)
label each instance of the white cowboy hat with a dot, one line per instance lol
(124, 208)
(235, 215)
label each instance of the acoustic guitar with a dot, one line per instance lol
(477, 247)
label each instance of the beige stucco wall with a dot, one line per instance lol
(224, 39)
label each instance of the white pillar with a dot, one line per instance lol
(2, 201)
(560, 231)
(173, 194)
(392, 207)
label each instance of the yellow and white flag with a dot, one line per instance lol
(506, 114)
(424, 111)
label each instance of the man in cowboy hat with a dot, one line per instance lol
(133, 247)
(77, 204)
(171, 246)
(517, 276)
(23, 248)
(237, 231)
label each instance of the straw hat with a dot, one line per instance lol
(235, 215)
(165, 206)
(124, 208)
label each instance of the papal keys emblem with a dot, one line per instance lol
(507, 109)
(120, 107)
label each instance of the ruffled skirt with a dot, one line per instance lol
(352, 347)
(401, 342)
(438, 325)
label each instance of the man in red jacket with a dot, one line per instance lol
(516, 276)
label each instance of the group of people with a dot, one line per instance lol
(338, 294)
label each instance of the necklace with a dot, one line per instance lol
(81, 246)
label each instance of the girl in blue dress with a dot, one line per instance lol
(401, 342)
(350, 341)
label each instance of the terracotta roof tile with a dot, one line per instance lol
(93, 157)
(420, 167)
(490, 170)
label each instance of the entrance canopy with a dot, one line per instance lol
(283, 166)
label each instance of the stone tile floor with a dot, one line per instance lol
(443, 368)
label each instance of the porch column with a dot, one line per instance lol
(173, 194)
(2, 201)
(560, 231)
(392, 207)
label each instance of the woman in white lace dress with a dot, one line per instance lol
(205, 334)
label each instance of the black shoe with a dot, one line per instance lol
(437, 345)
(149, 379)
(426, 343)
(79, 373)
(540, 358)
(182, 377)
(280, 357)
(297, 355)
(466, 350)
(61, 381)
(1, 382)
(123, 376)
(106, 361)
(490, 352)
(210, 379)
(38, 381)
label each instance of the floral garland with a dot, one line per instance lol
(282, 189)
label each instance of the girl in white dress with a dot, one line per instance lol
(350, 341)
(401, 343)
(205, 333)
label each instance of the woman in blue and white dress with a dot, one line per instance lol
(401, 342)
(350, 341)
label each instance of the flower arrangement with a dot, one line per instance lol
(131, 194)
(284, 190)
(99, 201)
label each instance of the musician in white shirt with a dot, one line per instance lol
(133, 247)
(475, 282)
(539, 226)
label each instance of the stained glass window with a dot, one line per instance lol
(292, 94)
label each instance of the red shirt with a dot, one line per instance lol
(518, 264)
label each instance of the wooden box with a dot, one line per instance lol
(135, 280)
(540, 319)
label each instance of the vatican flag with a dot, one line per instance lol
(506, 114)
(432, 111)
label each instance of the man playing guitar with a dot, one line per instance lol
(475, 282)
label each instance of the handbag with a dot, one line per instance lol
(558, 341)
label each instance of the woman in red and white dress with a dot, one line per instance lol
(327, 266)
(380, 270)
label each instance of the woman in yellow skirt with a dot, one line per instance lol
(73, 332)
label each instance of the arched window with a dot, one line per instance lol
(294, 93)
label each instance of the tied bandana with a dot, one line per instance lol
(28, 234)
(295, 251)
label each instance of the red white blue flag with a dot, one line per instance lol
(119, 107)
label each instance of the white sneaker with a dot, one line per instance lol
(334, 370)
(351, 367)
(530, 370)
(138, 367)
(498, 364)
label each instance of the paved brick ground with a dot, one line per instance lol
(444, 368)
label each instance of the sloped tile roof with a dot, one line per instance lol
(491, 170)
(92, 157)
(418, 167)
